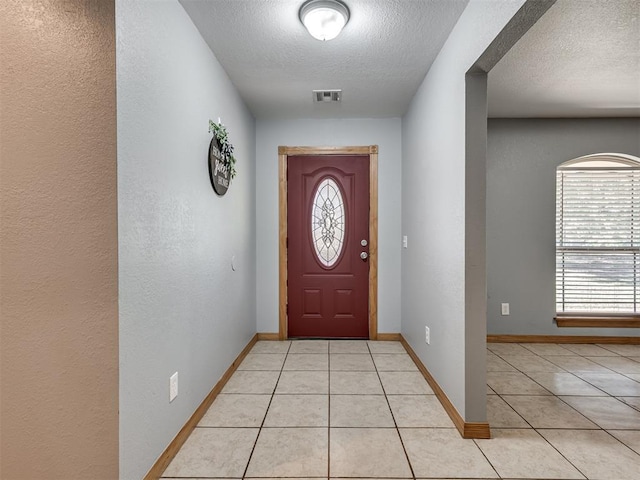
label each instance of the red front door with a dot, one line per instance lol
(328, 234)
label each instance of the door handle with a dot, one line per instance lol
(364, 255)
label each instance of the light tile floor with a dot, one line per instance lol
(358, 409)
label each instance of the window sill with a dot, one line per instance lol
(598, 322)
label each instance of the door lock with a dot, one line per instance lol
(364, 255)
(363, 242)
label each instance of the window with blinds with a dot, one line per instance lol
(598, 235)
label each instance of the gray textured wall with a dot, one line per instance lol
(433, 212)
(182, 308)
(521, 180)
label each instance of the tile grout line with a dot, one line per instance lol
(273, 392)
(486, 458)
(564, 370)
(623, 443)
(536, 429)
(393, 417)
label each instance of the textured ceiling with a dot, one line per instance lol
(581, 59)
(379, 59)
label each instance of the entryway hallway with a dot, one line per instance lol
(358, 409)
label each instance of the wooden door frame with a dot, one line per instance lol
(372, 152)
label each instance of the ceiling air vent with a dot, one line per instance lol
(322, 96)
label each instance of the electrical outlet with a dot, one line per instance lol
(505, 309)
(173, 387)
(427, 336)
(404, 241)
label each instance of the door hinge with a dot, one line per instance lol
(287, 242)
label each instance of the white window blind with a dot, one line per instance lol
(598, 237)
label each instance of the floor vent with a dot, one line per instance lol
(322, 96)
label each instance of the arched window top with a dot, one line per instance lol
(602, 160)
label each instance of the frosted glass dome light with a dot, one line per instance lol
(324, 19)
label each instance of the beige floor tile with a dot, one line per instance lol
(214, 452)
(303, 383)
(441, 452)
(386, 347)
(501, 415)
(405, 383)
(618, 364)
(525, 454)
(419, 411)
(290, 452)
(633, 376)
(633, 401)
(587, 349)
(497, 364)
(514, 383)
(236, 410)
(263, 361)
(355, 383)
(367, 452)
(577, 364)
(631, 438)
(348, 346)
(271, 347)
(546, 349)
(596, 454)
(298, 411)
(307, 361)
(251, 382)
(309, 346)
(607, 412)
(565, 384)
(547, 412)
(613, 383)
(532, 363)
(394, 362)
(360, 411)
(626, 350)
(351, 362)
(490, 391)
(508, 349)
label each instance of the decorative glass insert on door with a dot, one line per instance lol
(328, 222)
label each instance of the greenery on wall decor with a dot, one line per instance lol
(226, 147)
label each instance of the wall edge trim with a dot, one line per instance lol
(469, 430)
(562, 339)
(389, 337)
(163, 461)
(268, 336)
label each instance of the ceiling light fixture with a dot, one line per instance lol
(324, 19)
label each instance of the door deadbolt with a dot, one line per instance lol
(364, 255)
(363, 242)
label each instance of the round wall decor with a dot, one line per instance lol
(219, 171)
(222, 162)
